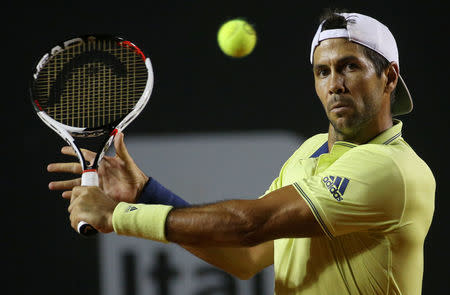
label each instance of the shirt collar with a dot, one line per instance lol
(386, 137)
(322, 150)
(390, 135)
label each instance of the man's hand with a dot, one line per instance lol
(92, 205)
(119, 176)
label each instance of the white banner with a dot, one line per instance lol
(201, 168)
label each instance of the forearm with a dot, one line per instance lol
(225, 224)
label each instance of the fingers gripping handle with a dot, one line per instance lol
(88, 178)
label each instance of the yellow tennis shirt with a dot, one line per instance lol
(375, 204)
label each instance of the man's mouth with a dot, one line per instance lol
(339, 103)
(340, 107)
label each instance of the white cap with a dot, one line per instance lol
(369, 32)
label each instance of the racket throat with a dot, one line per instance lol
(89, 177)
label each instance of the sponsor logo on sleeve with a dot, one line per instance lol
(336, 185)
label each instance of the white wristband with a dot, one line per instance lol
(141, 220)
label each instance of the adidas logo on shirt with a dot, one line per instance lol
(336, 185)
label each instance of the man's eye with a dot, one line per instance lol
(352, 66)
(323, 72)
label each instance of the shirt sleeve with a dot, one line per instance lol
(361, 191)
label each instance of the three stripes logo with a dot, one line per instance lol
(336, 185)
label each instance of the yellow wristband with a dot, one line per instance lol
(140, 220)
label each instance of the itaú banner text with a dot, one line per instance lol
(201, 168)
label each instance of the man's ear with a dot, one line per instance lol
(392, 73)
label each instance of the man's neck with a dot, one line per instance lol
(364, 135)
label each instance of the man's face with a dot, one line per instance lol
(347, 85)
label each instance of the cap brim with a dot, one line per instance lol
(403, 102)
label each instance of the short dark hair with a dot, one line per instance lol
(332, 20)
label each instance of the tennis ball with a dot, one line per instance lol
(236, 38)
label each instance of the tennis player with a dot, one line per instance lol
(350, 209)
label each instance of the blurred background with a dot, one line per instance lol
(213, 100)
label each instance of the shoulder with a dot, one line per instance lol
(369, 163)
(398, 153)
(395, 163)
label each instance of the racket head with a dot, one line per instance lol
(91, 85)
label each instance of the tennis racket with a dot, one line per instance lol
(88, 89)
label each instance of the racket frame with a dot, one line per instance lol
(89, 175)
(69, 133)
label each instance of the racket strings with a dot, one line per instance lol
(91, 89)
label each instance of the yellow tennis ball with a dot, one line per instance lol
(236, 38)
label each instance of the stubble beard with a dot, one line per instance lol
(350, 128)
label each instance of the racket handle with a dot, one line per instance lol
(85, 229)
(88, 178)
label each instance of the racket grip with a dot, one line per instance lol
(85, 229)
(88, 178)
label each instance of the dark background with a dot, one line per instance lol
(198, 89)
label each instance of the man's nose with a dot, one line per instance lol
(337, 85)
